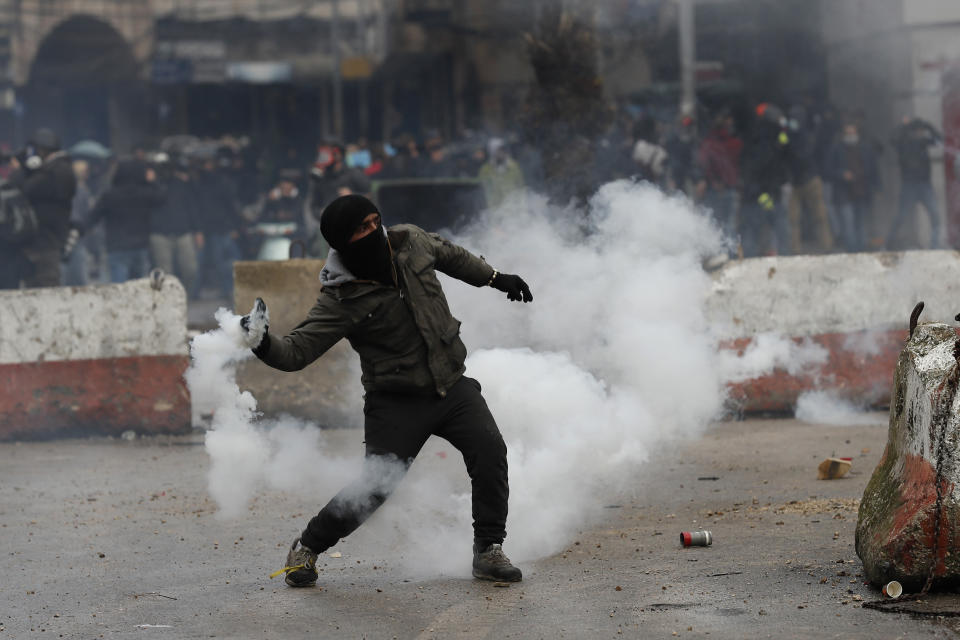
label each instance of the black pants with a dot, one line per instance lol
(11, 267)
(43, 268)
(396, 427)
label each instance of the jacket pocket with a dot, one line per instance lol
(393, 366)
(400, 372)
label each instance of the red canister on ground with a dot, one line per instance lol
(696, 538)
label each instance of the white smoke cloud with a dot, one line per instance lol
(613, 359)
(826, 407)
(233, 441)
(768, 351)
(865, 343)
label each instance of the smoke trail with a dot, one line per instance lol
(825, 407)
(769, 351)
(233, 440)
(614, 358)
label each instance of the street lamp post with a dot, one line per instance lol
(688, 57)
(337, 72)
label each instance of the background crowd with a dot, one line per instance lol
(778, 181)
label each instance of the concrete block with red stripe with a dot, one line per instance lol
(855, 306)
(327, 391)
(94, 360)
(909, 521)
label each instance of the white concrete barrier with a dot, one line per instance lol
(99, 359)
(856, 306)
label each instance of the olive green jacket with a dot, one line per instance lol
(406, 337)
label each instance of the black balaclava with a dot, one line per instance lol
(369, 257)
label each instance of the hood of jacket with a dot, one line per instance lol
(334, 273)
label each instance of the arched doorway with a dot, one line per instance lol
(84, 83)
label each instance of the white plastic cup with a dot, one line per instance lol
(892, 589)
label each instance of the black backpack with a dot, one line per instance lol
(18, 221)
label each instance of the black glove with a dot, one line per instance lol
(255, 325)
(514, 286)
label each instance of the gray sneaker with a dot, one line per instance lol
(493, 564)
(301, 569)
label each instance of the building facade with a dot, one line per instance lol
(294, 72)
(120, 71)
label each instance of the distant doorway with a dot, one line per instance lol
(84, 83)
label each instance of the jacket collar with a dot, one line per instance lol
(335, 274)
(398, 238)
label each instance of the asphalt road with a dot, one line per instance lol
(99, 537)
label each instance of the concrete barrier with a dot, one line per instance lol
(856, 306)
(909, 517)
(93, 360)
(326, 390)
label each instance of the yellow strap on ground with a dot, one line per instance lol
(286, 570)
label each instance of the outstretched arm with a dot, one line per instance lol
(308, 341)
(457, 262)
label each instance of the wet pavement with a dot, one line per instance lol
(101, 537)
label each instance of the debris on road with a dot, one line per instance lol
(833, 468)
(892, 589)
(696, 538)
(838, 506)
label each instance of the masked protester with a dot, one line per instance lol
(856, 178)
(764, 171)
(381, 292)
(127, 209)
(46, 179)
(913, 141)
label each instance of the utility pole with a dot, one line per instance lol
(688, 57)
(337, 72)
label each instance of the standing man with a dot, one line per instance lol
(681, 147)
(174, 227)
(381, 292)
(856, 177)
(46, 179)
(719, 160)
(763, 221)
(806, 202)
(127, 209)
(219, 225)
(76, 268)
(913, 141)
